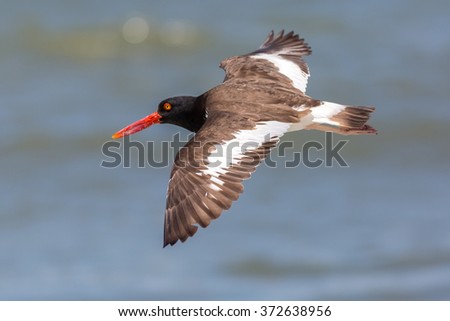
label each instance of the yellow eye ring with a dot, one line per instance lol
(167, 106)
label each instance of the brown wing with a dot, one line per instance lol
(280, 58)
(207, 175)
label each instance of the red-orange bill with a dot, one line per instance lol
(138, 125)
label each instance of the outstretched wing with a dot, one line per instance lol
(208, 172)
(280, 58)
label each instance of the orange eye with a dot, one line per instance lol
(167, 106)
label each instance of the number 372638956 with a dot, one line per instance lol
(295, 310)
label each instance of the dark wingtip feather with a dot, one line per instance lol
(291, 40)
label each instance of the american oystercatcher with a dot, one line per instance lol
(237, 123)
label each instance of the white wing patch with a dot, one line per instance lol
(232, 151)
(321, 114)
(288, 68)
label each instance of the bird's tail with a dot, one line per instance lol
(336, 118)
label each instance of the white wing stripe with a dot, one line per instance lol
(231, 152)
(286, 67)
(216, 180)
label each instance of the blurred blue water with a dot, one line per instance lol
(70, 229)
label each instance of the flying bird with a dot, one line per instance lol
(236, 124)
